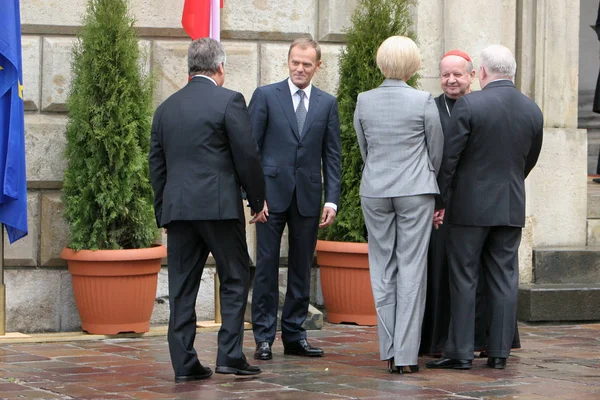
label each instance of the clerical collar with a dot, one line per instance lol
(449, 103)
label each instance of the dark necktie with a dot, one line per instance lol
(301, 112)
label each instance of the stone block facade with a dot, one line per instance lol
(45, 145)
(256, 35)
(24, 253)
(31, 53)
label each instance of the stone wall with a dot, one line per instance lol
(256, 35)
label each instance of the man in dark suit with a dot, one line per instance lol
(493, 142)
(202, 152)
(456, 76)
(296, 126)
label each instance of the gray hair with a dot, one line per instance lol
(468, 65)
(498, 60)
(205, 55)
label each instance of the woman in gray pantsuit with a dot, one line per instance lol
(401, 142)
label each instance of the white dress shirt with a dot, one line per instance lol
(206, 77)
(296, 97)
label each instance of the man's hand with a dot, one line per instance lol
(327, 217)
(438, 217)
(262, 216)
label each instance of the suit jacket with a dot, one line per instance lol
(492, 144)
(400, 140)
(201, 153)
(291, 160)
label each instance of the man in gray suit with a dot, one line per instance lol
(493, 143)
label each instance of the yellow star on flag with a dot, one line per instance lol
(19, 85)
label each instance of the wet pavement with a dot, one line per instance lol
(556, 362)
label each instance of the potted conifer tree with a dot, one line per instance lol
(342, 250)
(107, 195)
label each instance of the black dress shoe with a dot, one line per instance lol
(301, 348)
(496, 362)
(263, 351)
(450, 363)
(243, 370)
(202, 373)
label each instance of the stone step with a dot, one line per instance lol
(593, 199)
(593, 149)
(593, 142)
(585, 97)
(566, 265)
(589, 121)
(592, 164)
(559, 302)
(593, 232)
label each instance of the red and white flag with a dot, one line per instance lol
(202, 18)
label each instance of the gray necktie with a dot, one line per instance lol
(301, 112)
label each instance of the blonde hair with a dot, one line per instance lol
(398, 57)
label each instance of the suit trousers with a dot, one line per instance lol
(399, 229)
(496, 248)
(188, 246)
(302, 239)
(436, 320)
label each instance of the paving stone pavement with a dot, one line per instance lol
(556, 362)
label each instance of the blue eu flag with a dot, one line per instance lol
(13, 184)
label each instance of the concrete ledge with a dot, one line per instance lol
(559, 302)
(566, 264)
(17, 337)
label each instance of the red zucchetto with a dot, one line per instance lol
(459, 53)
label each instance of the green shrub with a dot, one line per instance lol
(373, 21)
(107, 195)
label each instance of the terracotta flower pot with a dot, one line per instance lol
(345, 282)
(115, 290)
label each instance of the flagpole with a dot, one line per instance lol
(2, 288)
(202, 18)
